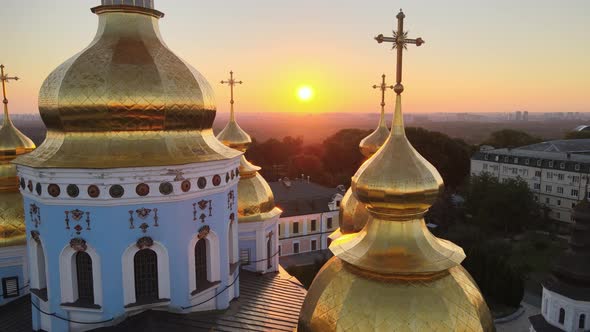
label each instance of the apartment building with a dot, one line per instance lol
(310, 214)
(556, 171)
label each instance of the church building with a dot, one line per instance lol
(131, 202)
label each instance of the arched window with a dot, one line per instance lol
(201, 264)
(561, 316)
(84, 278)
(582, 322)
(268, 252)
(145, 263)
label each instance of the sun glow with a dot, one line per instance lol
(305, 93)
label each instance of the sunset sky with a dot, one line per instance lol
(479, 56)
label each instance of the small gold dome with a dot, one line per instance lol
(353, 215)
(126, 100)
(234, 136)
(370, 144)
(345, 298)
(256, 201)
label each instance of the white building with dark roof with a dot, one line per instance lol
(555, 171)
(310, 215)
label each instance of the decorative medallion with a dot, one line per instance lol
(203, 204)
(77, 214)
(166, 188)
(78, 229)
(230, 200)
(202, 217)
(38, 188)
(216, 180)
(227, 177)
(35, 214)
(144, 227)
(30, 185)
(35, 236)
(232, 174)
(142, 189)
(93, 191)
(156, 217)
(144, 242)
(203, 231)
(185, 185)
(116, 191)
(73, 190)
(131, 226)
(78, 244)
(194, 211)
(202, 183)
(143, 213)
(53, 190)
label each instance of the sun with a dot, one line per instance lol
(305, 93)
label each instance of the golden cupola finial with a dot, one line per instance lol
(12, 142)
(388, 276)
(256, 201)
(126, 100)
(232, 134)
(353, 216)
(370, 144)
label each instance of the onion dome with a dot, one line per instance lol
(394, 275)
(256, 201)
(12, 144)
(126, 100)
(571, 272)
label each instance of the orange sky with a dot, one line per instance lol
(479, 56)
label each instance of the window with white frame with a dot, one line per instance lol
(537, 186)
(560, 190)
(538, 174)
(574, 192)
(296, 227)
(549, 175)
(560, 176)
(296, 247)
(548, 188)
(575, 179)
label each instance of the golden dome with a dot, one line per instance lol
(352, 215)
(394, 275)
(345, 298)
(12, 219)
(12, 144)
(370, 144)
(256, 201)
(233, 135)
(126, 100)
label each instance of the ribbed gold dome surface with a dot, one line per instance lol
(12, 219)
(370, 144)
(345, 298)
(126, 100)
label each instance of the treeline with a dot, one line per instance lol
(337, 158)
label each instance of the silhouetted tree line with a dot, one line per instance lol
(335, 161)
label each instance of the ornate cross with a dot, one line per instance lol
(231, 82)
(383, 87)
(400, 42)
(5, 78)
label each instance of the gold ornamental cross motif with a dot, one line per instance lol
(400, 40)
(231, 82)
(383, 87)
(5, 78)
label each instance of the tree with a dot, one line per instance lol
(507, 206)
(577, 135)
(342, 156)
(510, 138)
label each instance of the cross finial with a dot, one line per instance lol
(231, 82)
(400, 40)
(383, 87)
(5, 78)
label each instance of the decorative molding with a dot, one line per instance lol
(77, 215)
(143, 213)
(78, 244)
(131, 226)
(144, 242)
(230, 200)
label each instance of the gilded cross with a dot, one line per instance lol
(231, 82)
(400, 40)
(5, 78)
(383, 87)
